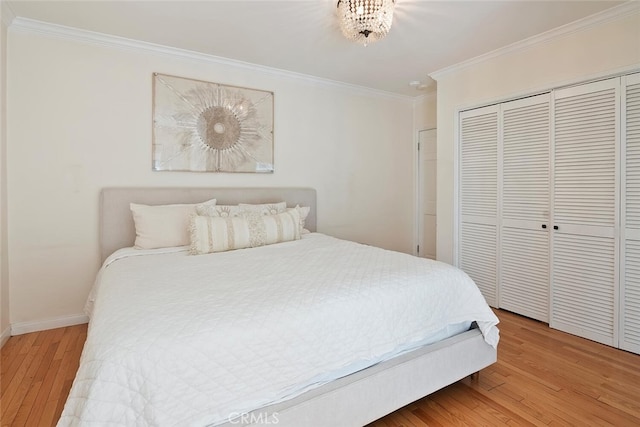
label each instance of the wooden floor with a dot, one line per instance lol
(543, 377)
(36, 373)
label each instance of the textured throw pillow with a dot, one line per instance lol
(303, 211)
(224, 211)
(163, 226)
(227, 211)
(264, 208)
(216, 234)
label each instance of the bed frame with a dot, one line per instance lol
(354, 400)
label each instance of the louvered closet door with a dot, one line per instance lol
(479, 198)
(584, 247)
(630, 271)
(524, 273)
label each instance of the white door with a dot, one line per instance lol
(584, 269)
(630, 212)
(525, 220)
(427, 193)
(478, 199)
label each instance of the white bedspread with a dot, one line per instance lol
(178, 340)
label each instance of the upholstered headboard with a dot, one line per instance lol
(116, 221)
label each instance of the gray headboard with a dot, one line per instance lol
(116, 222)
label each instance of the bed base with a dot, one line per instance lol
(367, 395)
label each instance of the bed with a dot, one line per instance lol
(152, 356)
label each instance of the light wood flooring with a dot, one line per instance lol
(36, 373)
(543, 377)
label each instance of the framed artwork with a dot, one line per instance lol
(210, 127)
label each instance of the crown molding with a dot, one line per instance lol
(599, 18)
(31, 26)
(7, 13)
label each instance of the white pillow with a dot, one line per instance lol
(162, 226)
(216, 234)
(303, 211)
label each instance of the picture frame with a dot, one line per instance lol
(201, 126)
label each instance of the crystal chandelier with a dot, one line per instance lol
(365, 21)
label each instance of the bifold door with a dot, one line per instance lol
(478, 232)
(524, 267)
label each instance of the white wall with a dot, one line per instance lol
(425, 111)
(596, 50)
(4, 270)
(80, 120)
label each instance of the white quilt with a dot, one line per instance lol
(178, 340)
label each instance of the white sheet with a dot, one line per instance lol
(192, 340)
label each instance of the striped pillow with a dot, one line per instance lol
(216, 234)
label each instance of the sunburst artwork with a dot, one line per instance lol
(209, 127)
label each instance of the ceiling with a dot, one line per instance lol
(303, 35)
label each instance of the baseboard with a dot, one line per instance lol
(4, 336)
(20, 328)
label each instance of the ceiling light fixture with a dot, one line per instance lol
(365, 21)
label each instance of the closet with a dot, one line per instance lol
(549, 207)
